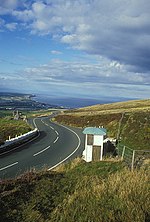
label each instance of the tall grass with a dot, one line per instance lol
(122, 197)
(78, 192)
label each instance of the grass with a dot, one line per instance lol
(81, 192)
(135, 125)
(38, 113)
(11, 127)
(78, 191)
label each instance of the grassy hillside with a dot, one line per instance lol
(77, 191)
(128, 120)
(10, 127)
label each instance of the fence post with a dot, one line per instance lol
(132, 164)
(123, 151)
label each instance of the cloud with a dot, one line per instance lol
(11, 26)
(118, 30)
(116, 34)
(7, 6)
(56, 52)
(76, 72)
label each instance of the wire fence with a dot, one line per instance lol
(134, 158)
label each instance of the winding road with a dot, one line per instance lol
(54, 145)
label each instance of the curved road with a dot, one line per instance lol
(54, 145)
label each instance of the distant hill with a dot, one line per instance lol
(133, 105)
(21, 101)
(133, 117)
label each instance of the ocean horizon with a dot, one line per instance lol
(70, 102)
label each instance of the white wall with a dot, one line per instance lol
(98, 140)
(88, 153)
(19, 138)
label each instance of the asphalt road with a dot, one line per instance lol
(54, 145)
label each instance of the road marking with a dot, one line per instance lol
(71, 153)
(53, 142)
(8, 166)
(56, 139)
(44, 122)
(47, 124)
(56, 132)
(42, 151)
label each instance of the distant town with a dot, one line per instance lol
(13, 101)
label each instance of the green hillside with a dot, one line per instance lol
(77, 191)
(130, 121)
(11, 127)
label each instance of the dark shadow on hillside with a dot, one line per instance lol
(109, 149)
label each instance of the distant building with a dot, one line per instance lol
(94, 143)
(16, 115)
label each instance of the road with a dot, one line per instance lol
(54, 145)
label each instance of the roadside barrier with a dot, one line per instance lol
(18, 140)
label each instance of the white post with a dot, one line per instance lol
(123, 151)
(86, 153)
(132, 164)
(101, 157)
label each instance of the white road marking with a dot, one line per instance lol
(71, 153)
(8, 166)
(44, 123)
(56, 139)
(49, 145)
(42, 151)
(56, 132)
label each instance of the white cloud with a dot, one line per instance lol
(56, 52)
(7, 6)
(117, 31)
(24, 16)
(76, 72)
(11, 26)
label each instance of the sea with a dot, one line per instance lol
(70, 102)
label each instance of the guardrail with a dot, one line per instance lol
(17, 141)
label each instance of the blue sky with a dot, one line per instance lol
(76, 48)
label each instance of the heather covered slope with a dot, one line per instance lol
(77, 191)
(130, 121)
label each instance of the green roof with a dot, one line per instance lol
(95, 131)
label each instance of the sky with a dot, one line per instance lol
(76, 48)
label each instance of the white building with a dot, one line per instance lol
(94, 140)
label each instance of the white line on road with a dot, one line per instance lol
(42, 151)
(8, 166)
(56, 139)
(72, 152)
(56, 132)
(44, 123)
